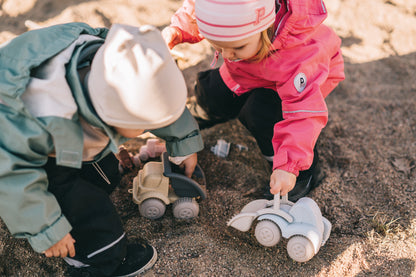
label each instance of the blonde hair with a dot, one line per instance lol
(266, 45)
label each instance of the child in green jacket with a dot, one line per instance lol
(69, 96)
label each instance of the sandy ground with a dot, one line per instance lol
(368, 152)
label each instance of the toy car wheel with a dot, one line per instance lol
(185, 208)
(267, 233)
(152, 208)
(300, 249)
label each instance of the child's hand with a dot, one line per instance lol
(172, 36)
(189, 164)
(282, 181)
(62, 248)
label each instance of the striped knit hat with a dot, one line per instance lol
(231, 20)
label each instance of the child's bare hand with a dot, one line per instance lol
(189, 164)
(282, 181)
(64, 247)
(172, 36)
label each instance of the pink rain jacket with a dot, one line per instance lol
(305, 67)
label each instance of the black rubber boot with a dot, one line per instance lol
(139, 258)
(305, 182)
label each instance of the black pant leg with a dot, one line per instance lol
(218, 102)
(97, 228)
(261, 111)
(104, 174)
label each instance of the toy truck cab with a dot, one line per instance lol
(158, 185)
(301, 223)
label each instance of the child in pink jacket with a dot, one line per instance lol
(280, 62)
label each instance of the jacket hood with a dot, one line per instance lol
(296, 21)
(18, 62)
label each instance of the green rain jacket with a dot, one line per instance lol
(26, 141)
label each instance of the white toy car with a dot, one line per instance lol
(157, 185)
(300, 222)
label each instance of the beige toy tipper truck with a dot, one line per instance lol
(158, 185)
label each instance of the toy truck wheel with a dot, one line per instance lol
(152, 208)
(185, 208)
(267, 233)
(300, 249)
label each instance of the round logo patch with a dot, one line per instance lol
(300, 82)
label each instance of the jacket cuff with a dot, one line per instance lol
(290, 167)
(51, 235)
(186, 146)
